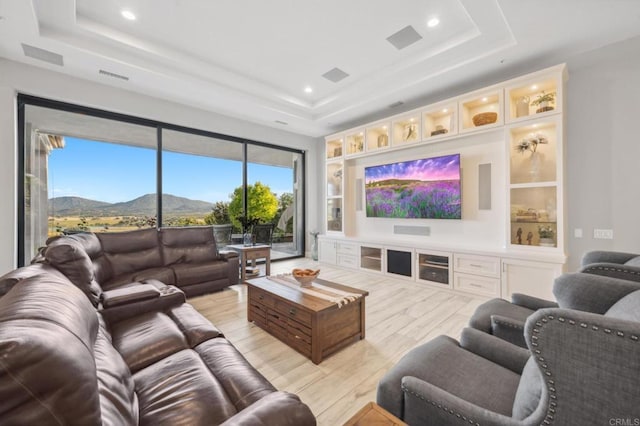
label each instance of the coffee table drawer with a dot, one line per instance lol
(261, 297)
(293, 312)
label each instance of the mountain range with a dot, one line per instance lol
(141, 206)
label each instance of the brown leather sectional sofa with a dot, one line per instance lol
(141, 356)
(184, 257)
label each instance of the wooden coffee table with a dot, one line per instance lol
(312, 326)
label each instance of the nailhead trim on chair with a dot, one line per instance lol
(442, 407)
(552, 390)
(605, 268)
(508, 324)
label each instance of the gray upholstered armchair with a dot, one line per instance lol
(582, 369)
(581, 291)
(612, 264)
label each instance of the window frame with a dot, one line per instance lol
(23, 100)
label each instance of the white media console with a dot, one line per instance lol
(511, 237)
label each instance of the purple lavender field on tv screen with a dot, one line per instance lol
(422, 189)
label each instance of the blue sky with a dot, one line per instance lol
(436, 168)
(114, 173)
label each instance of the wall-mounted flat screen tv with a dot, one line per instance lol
(420, 189)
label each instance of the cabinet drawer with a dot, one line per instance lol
(476, 284)
(348, 261)
(481, 265)
(293, 312)
(258, 254)
(261, 297)
(347, 248)
(257, 309)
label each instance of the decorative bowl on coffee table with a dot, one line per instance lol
(305, 276)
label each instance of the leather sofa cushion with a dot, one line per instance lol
(195, 327)
(187, 274)
(180, 390)
(68, 255)
(131, 251)
(242, 383)
(10, 279)
(162, 274)
(118, 400)
(194, 244)
(147, 338)
(47, 370)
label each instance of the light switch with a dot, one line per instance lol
(577, 233)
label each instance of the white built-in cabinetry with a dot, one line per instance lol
(531, 200)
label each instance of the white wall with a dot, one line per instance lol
(603, 149)
(18, 78)
(478, 228)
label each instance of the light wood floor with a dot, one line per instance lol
(399, 316)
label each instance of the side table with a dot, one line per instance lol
(252, 253)
(374, 415)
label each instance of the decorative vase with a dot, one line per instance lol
(314, 248)
(522, 106)
(247, 238)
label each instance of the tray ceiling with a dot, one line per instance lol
(253, 59)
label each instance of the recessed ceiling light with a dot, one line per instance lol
(484, 99)
(534, 87)
(433, 22)
(445, 110)
(127, 14)
(308, 89)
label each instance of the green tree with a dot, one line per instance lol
(262, 204)
(219, 214)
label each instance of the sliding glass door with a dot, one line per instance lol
(90, 170)
(84, 173)
(274, 198)
(199, 176)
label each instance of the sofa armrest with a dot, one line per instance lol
(533, 303)
(495, 349)
(425, 403)
(168, 297)
(276, 409)
(614, 270)
(121, 296)
(227, 254)
(601, 256)
(589, 292)
(508, 329)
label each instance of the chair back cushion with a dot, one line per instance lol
(47, 371)
(627, 308)
(193, 244)
(131, 251)
(70, 255)
(529, 391)
(635, 261)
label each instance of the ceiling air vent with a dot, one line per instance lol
(403, 38)
(396, 104)
(335, 75)
(114, 75)
(284, 123)
(42, 55)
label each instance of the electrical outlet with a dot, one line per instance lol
(577, 233)
(603, 234)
